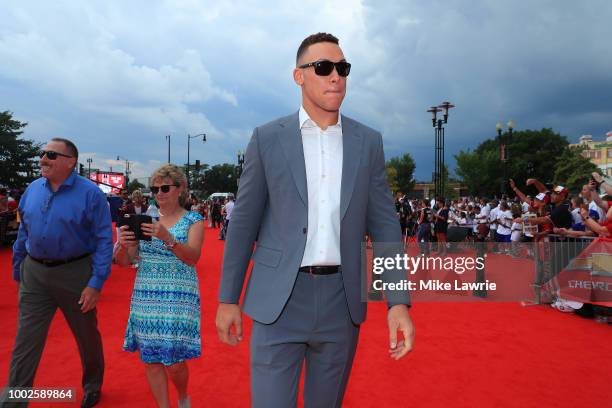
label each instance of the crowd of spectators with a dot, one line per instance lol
(522, 218)
(553, 213)
(9, 216)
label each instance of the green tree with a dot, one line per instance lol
(18, 157)
(135, 185)
(220, 178)
(531, 153)
(198, 180)
(449, 191)
(392, 178)
(573, 169)
(400, 173)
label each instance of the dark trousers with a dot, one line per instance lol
(41, 291)
(423, 238)
(223, 232)
(315, 330)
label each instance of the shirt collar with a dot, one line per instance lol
(306, 122)
(68, 182)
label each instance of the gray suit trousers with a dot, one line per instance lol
(315, 329)
(41, 291)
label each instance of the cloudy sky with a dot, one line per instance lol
(116, 76)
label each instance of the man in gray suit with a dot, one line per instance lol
(313, 185)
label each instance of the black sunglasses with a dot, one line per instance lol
(325, 67)
(51, 155)
(164, 189)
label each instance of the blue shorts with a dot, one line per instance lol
(502, 238)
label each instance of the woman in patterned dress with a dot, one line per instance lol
(164, 322)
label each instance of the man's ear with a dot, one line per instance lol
(298, 76)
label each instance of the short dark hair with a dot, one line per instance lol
(314, 39)
(71, 146)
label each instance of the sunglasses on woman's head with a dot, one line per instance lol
(325, 67)
(51, 155)
(164, 189)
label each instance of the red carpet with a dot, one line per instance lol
(466, 354)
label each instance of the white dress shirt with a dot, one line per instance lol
(323, 159)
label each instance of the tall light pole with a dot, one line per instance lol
(503, 151)
(127, 169)
(168, 139)
(240, 165)
(189, 137)
(438, 124)
(89, 161)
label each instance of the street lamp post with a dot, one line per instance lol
(503, 151)
(127, 169)
(168, 137)
(438, 124)
(89, 161)
(240, 165)
(189, 137)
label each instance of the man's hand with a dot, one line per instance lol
(512, 184)
(89, 299)
(228, 315)
(398, 318)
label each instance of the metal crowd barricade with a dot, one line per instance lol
(552, 255)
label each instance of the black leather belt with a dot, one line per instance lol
(320, 270)
(57, 262)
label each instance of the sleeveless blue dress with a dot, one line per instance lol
(164, 322)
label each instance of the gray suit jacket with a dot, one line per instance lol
(272, 206)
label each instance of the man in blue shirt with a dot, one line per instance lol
(61, 258)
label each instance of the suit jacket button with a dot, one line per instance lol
(304, 230)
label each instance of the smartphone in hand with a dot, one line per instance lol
(134, 222)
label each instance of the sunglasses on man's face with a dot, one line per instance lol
(325, 67)
(51, 155)
(164, 189)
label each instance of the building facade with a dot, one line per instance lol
(599, 152)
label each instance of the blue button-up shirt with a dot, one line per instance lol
(68, 223)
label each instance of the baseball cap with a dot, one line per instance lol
(541, 197)
(560, 190)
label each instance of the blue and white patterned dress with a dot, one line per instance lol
(164, 322)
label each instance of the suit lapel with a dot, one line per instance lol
(291, 142)
(352, 142)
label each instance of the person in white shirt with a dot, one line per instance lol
(525, 204)
(577, 202)
(503, 218)
(493, 219)
(595, 211)
(313, 183)
(229, 207)
(153, 210)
